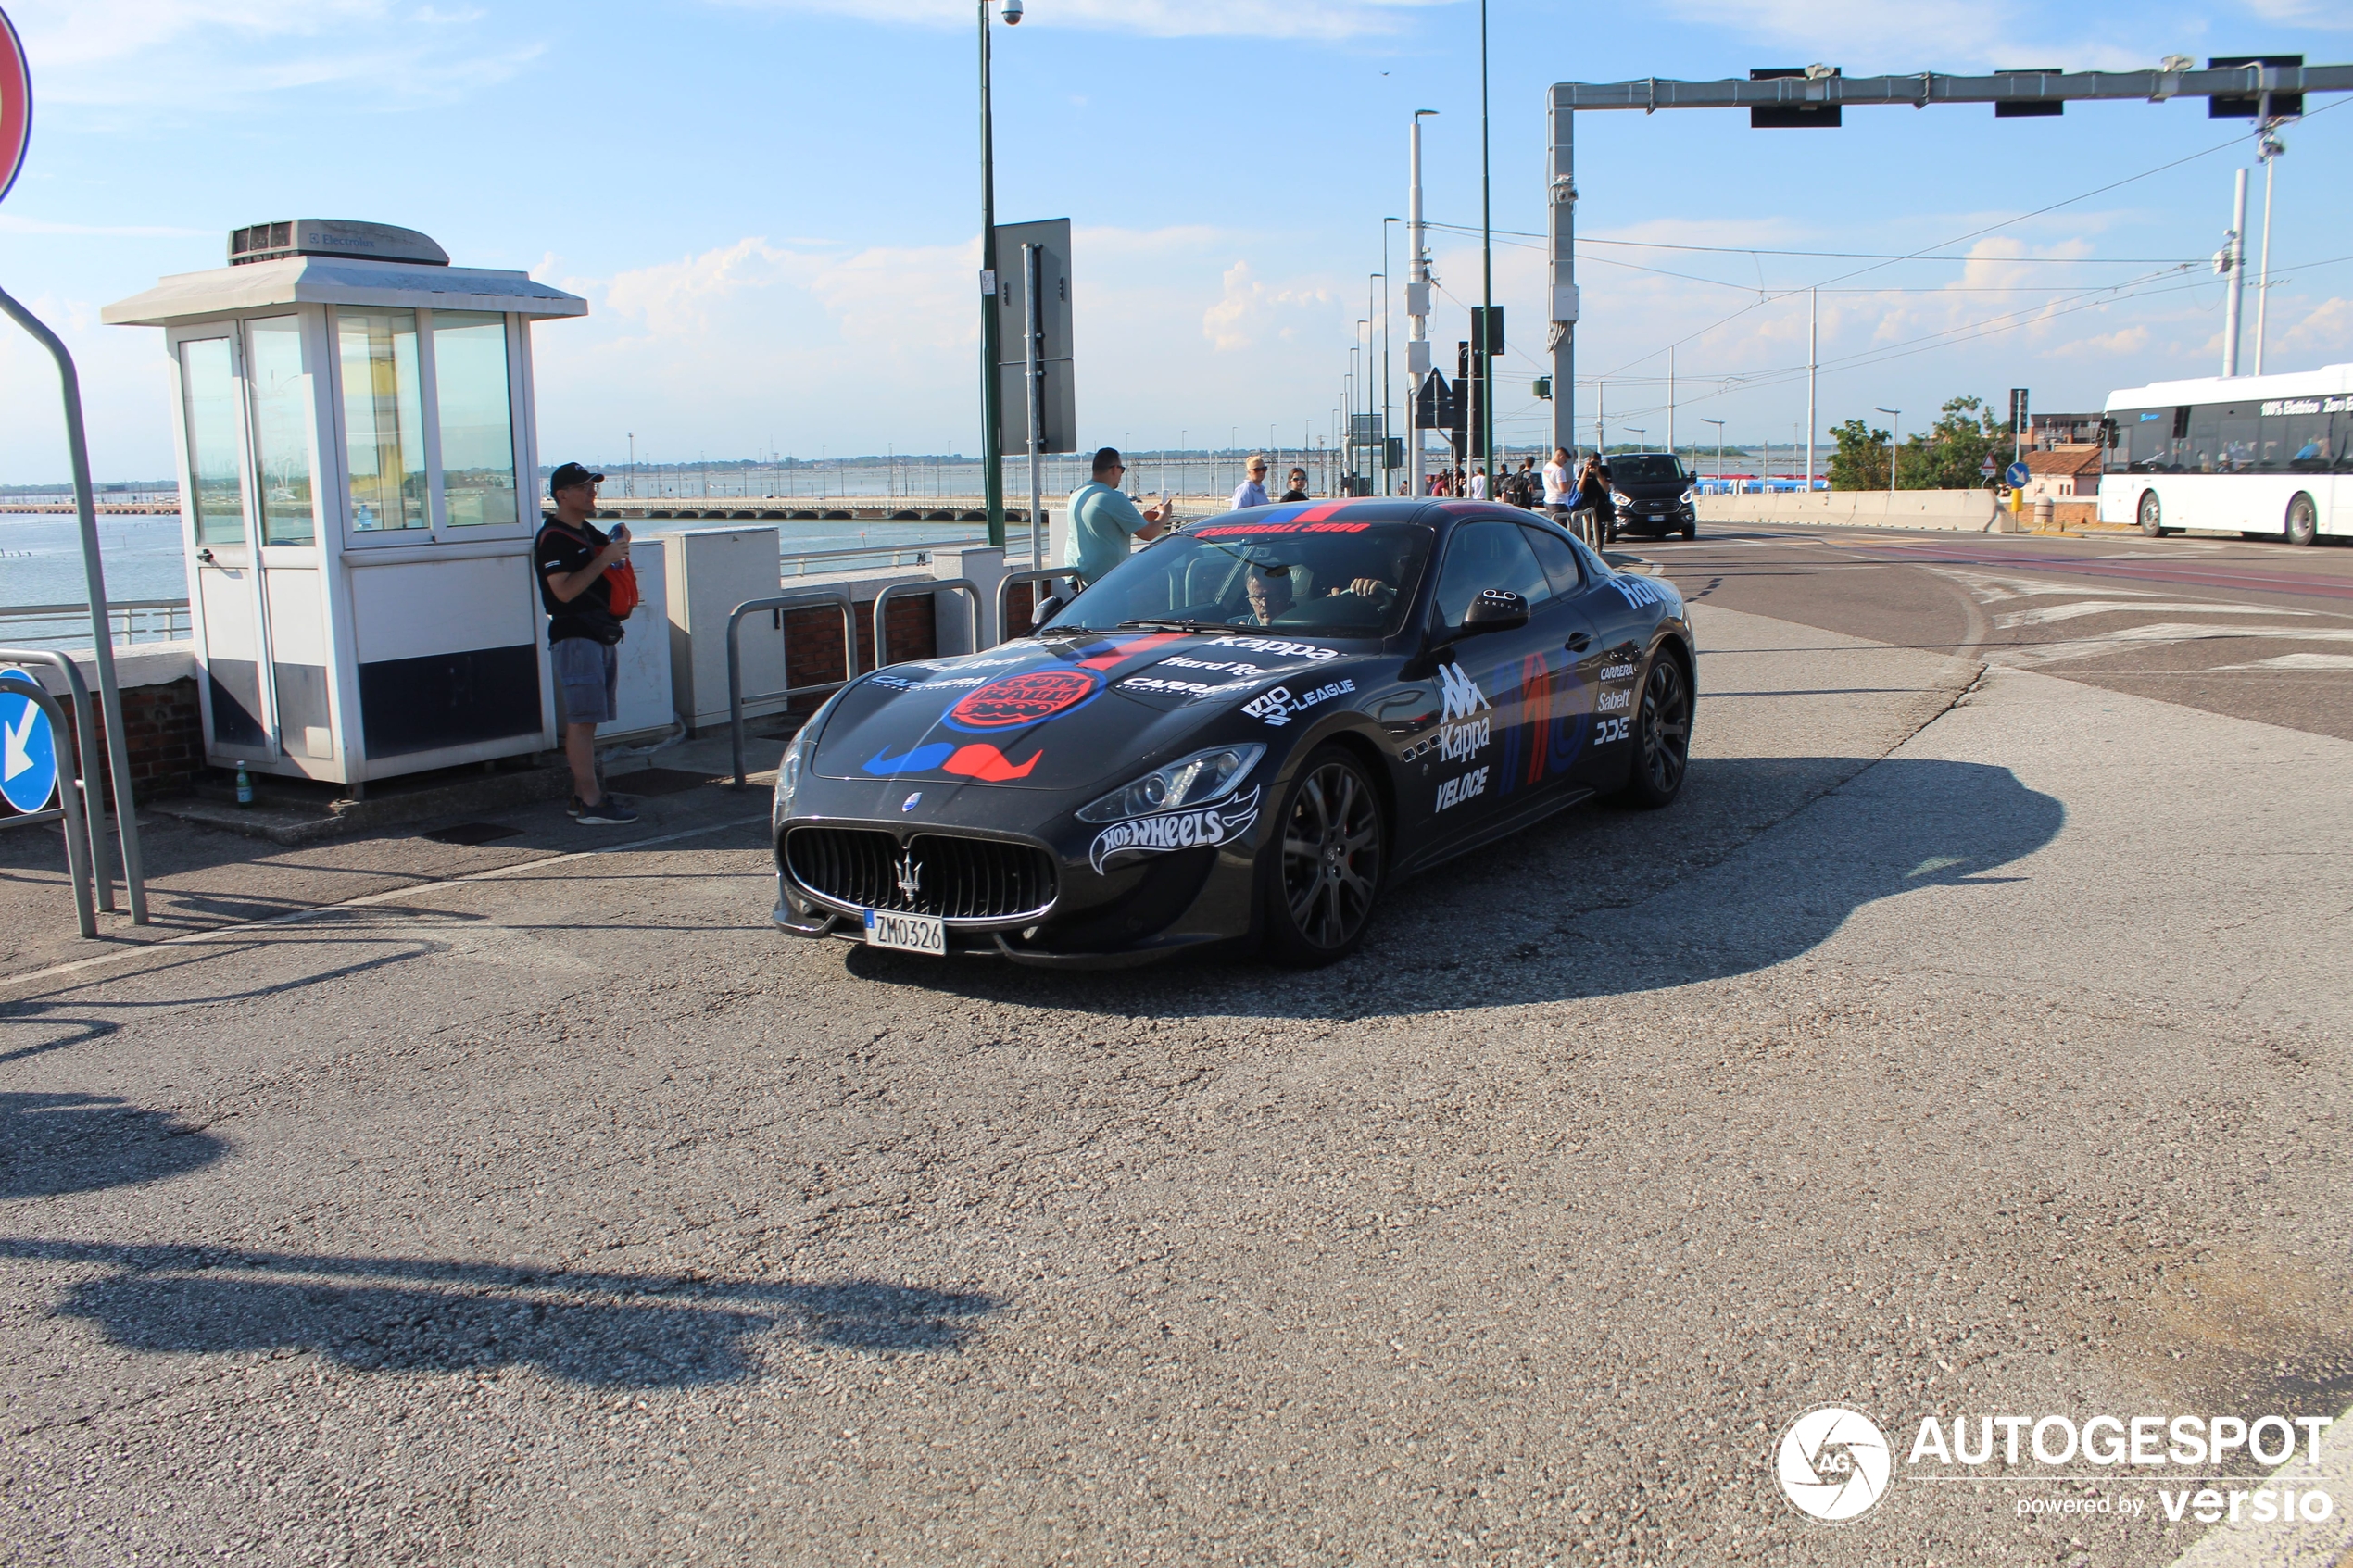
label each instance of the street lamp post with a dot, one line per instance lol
(992, 456)
(1895, 424)
(1720, 446)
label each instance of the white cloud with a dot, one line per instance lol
(1871, 38)
(1155, 19)
(1248, 311)
(2326, 329)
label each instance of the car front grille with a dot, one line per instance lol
(956, 878)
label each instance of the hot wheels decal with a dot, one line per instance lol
(1174, 830)
(1024, 698)
(1638, 591)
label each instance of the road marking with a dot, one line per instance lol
(2048, 614)
(2328, 662)
(294, 916)
(2156, 636)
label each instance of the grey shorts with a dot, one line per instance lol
(588, 677)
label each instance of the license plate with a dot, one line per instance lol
(912, 933)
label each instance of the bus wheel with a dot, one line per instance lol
(2151, 515)
(2303, 520)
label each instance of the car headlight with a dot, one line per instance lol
(798, 756)
(1688, 494)
(1621, 497)
(1190, 781)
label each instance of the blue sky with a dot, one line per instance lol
(772, 205)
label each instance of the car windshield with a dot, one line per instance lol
(1341, 578)
(1646, 468)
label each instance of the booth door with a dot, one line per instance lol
(221, 566)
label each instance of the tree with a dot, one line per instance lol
(1951, 454)
(1860, 461)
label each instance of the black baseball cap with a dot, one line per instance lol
(570, 474)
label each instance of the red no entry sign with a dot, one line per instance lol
(16, 103)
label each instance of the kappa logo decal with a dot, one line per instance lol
(1274, 645)
(976, 761)
(1174, 830)
(1024, 698)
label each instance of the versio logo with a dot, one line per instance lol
(1834, 1464)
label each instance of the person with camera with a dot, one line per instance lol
(579, 567)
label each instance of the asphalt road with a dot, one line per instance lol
(1970, 1038)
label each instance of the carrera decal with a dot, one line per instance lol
(1173, 687)
(1174, 830)
(1462, 787)
(975, 762)
(1024, 698)
(1618, 673)
(1274, 645)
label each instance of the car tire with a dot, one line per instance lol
(1324, 863)
(1691, 529)
(2303, 520)
(1662, 734)
(2152, 515)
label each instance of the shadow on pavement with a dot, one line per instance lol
(59, 1143)
(1599, 901)
(400, 1315)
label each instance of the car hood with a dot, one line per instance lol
(1652, 489)
(1086, 712)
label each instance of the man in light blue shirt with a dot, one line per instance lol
(1251, 492)
(1104, 521)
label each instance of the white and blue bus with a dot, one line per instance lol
(2263, 454)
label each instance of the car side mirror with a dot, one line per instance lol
(1045, 610)
(1497, 610)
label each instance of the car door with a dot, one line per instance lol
(1474, 754)
(1623, 609)
(1558, 722)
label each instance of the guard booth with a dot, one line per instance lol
(357, 481)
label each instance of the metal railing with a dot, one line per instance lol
(808, 598)
(1005, 592)
(83, 846)
(127, 620)
(909, 589)
(794, 563)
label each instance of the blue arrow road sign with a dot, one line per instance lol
(28, 751)
(2016, 476)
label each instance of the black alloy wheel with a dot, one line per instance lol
(2303, 520)
(1662, 734)
(2152, 515)
(1330, 858)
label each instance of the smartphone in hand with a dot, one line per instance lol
(619, 534)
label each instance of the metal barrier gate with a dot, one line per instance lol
(1005, 589)
(838, 596)
(969, 588)
(72, 792)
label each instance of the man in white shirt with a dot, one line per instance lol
(1251, 492)
(1479, 484)
(1556, 483)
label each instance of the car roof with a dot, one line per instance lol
(1361, 508)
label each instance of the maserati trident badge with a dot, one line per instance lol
(911, 876)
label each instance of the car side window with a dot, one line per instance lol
(1596, 569)
(1558, 561)
(1486, 555)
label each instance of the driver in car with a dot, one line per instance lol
(1270, 593)
(1383, 589)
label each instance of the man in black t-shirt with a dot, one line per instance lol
(570, 556)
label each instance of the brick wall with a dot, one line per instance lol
(163, 730)
(812, 640)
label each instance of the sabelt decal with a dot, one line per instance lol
(975, 762)
(1024, 698)
(1611, 702)
(1176, 829)
(1274, 645)
(1462, 787)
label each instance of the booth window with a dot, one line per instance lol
(216, 458)
(477, 419)
(384, 417)
(281, 428)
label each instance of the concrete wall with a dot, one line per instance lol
(162, 729)
(1965, 511)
